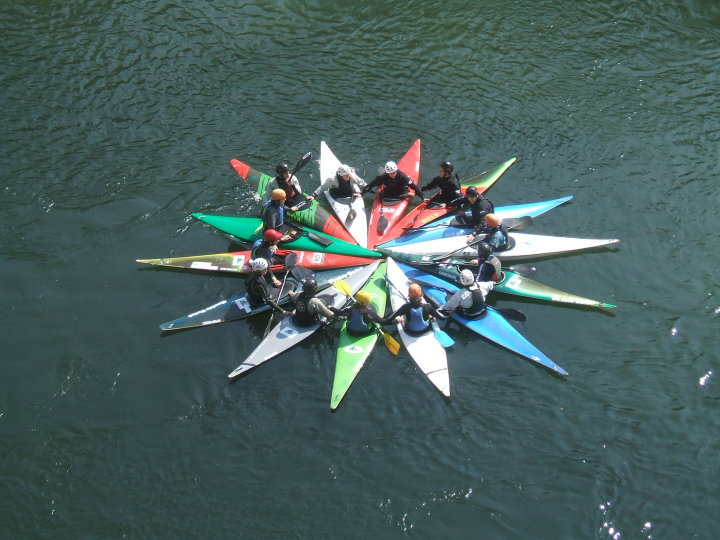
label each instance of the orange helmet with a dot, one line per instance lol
(492, 220)
(278, 194)
(414, 290)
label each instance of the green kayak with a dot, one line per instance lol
(249, 229)
(353, 350)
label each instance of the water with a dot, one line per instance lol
(119, 120)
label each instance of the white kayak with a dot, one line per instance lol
(287, 334)
(522, 246)
(425, 349)
(357, 226)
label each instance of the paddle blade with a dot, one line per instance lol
(517, 224)
(392, 345)
(382, 224)
(352, 214)
(302, 162)
(512, 314)
(343, 286)
(443, 338)
(290, 261)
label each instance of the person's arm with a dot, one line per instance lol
(357, 183)
(319, 307)
(324, 186)
(453, 302)
(402, 310)
(296, 185)
(377, 182)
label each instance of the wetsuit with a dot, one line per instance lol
(258, 291)
(450, 194)
(417, 317)
(477, 211)
(393, 188)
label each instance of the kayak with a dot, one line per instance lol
(352, 350)
(237, 261)
(510, 283)
(237, 306)
(357, 226)
(287, 334)
(311, 215)
(386, 213)
(445, 227)
(422, 215)
(494, 327)
(249, 229)
(425, 349)
(522, 246)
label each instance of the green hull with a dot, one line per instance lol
(515, 284)
(249, 229)
(354, 350)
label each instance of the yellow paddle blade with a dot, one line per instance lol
(343, 286)
(392, 345)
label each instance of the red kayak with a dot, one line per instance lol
(422, 215)
(311, 214)
(387, 213)
(237, 261)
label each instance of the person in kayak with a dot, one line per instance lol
(265, 248)
(495, 234)
(394, 182)
(469, 301)
(308, 308)
(415, 314)
(449, 183)
(479, 207)
(273, 214)
(488, 265)
(362, 318)
(290, 185)
(258, 292)
(343, 185)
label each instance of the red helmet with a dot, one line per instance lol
(272, 235)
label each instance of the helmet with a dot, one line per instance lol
(390, 166)
(484, 250)
(343, 170)
(447, 166)
(309, 286)
(278, 194)
(258, 265)
(281, 168)
(492, 220)
(467, 277)
(363, 298)
(471, 192)
(414, 290)
(272, 235)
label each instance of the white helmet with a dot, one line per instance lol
(467, 277)
(258, 265)
(390, 166)
(343, 170)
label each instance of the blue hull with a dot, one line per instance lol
(439, 228)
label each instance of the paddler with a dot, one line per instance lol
(496, 234)
(308, 308)
(290, 185)
(479, 207)
(489, 268)
(415, 314)
(469, 301)
(257, 287)
(395, 183)
(265, 248)
(273, 213)
(449, 183)
(362, 318)
(344, 184)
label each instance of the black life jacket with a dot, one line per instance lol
(344, 189)
(478, 307)
(287, 187)
(257, 288)
(302, 316)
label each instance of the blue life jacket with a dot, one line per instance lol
(268, 208)
(356, 323)
(415, 322)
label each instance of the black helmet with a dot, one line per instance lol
(484, 250)
(309, 286)
(447, 166)
(281, 168)
(471, 191)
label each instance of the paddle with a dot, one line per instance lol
(526, 270)
(290, 260)
(322, 240)
(513, 224)
(443, 338)
(382, 221)
(390, 342)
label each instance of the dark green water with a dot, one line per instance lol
(118, 121)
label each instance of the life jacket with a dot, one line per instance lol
(268, 210)
(261, 249)
(477, 309)
(415, 323)
(302, 316)
(481, 208)
(344, 189)
(256, 287)
(356, 323)
(287, 187)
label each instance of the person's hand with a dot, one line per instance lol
(277, 282)
(400, 319)
(286, 313)
(356, 195)
(310, 197)
(293, 208)
(469, 238)
(285, 238)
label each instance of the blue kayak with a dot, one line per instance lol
(492, 326)
(442, 228)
